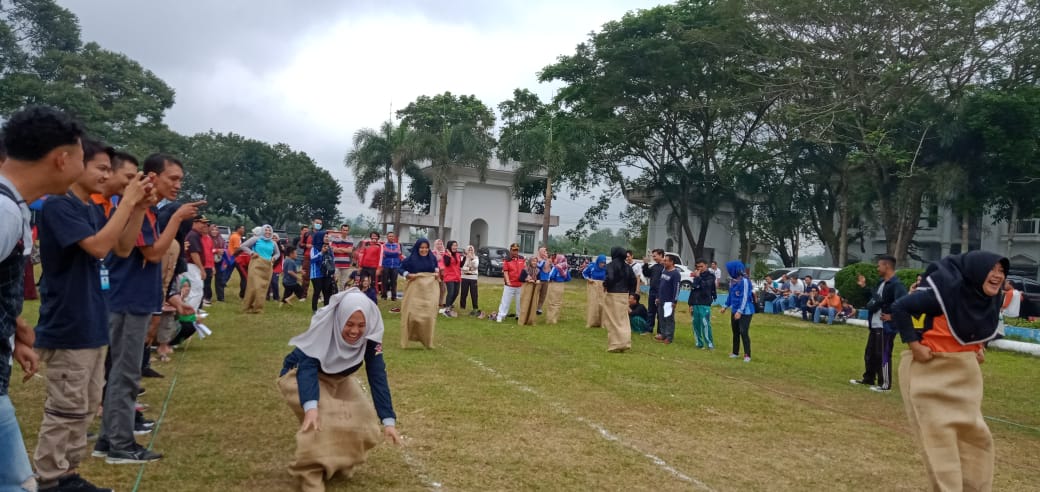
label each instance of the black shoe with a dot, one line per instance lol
(140, 420)
(135, 455)
(539, 312)
(148, 372)
(76, 483)
(141, 429)
(100, 449)
(141, 391)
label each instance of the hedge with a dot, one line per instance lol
(846, 281)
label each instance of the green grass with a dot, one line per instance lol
(502, 407)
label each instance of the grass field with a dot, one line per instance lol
(501, 407)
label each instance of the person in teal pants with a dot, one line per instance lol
(702, 296)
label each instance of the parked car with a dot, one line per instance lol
(225, 232)
(491, 258)
(1030, 295)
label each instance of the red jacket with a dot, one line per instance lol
(371, 256)
(513, 269)
(451, 265)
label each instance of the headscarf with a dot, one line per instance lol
(416, 263)
(594, 271)
(324, 339)
(263, 232)
(561, 263)
(617, 268)
(258, 231)
(735, 269)
(318, 239)
(956, 282)
(448, 255)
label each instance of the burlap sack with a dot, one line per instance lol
(594, 304)
(943, 400)
(528, 304)
(554, 302)
(348, 424)
(258, 285)
(615, 319)
(419, 309)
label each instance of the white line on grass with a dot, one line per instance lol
(599, 428)
(419, 469)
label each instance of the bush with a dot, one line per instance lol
(845, 281)
(760, 270)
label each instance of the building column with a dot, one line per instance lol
(513, 224)
(455, 210)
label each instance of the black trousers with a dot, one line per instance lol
(207, 286)
(651, 312)
(389, 281)
(296, 290)
(322, 287)
(453, 292)
(469, 286)
(242, 274)
(877, 358)
(740, 329)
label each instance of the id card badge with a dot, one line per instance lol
(104, 278)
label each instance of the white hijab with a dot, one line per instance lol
(324, 339)
(258, 231)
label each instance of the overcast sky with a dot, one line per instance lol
(312, 73)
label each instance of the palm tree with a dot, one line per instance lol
(454, 146)
(386, 154)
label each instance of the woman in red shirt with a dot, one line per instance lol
(452, 262)
(371, 256)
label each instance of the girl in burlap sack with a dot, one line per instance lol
(263, 253)
(939, 376)
(421, 295)
(620, 281)
(338, 421)
(561, 274)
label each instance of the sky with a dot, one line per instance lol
(310, 74)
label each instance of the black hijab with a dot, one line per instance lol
(956, 281)
(416, 263)
(620, 277)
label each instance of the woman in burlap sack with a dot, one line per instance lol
(939, 376)
(595, 273)
(528, 292)
(339, 422)
(561, 274)
(263, 252)
(619, 282)
(421, 295)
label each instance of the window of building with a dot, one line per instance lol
(526, 241)
(1027, 226)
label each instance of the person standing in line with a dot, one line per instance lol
(716, 272)
(219, 247)
(470, 275)
(40, 153)
(390, 264)
(194, 252)
(652, 269)
(343, 252)
(438, 253)
(545, 267)
(667, 296)
(939, 376)
(234, 249)
(452, 264)
(631, 262)
(305, 245)
(742, 305)
(209, 264)
(619, 285)
(511, 270)
(877, 356)
(702, 296)
(321, 279)
(72, 333)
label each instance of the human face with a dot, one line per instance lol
(374, 237)
(884, 268)
(714, 265)
(543, 253)
(628, 257)
(345, 230)
(631, 300)
(317, 224)
(241, 230)
(121, 177)
(95, 175)
(669, 263)
(424, 249)
(701, 267)
(514, 252)
(354, 328)
(391, 237)
(994, 280)
(268, 232)
(657, 257)
(454, 247)
(200, 227)
(470, 251)
(213, 230)
(168, 183)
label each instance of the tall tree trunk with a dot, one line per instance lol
(965, 231)
(900, 220)
(397, 213)
(843, 228)
(548, 209)
(442, 210)
(1012, 228)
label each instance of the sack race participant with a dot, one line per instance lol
(421, 295)
(338, 419)
(528, 293)
(561, 273)
(263, 252)
(619, 282)
(939, 376)
(595, 274)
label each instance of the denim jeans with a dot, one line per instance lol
(15, 471)
(820, 311)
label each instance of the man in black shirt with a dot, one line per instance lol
(652, 271)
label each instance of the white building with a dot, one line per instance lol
(480, 213)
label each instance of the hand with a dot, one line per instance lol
(861, 281)
(137, 188)
(736, 316)
(187, 211)
(921, 352)
(27, 358)
(886, 317)
(723, 310)
(204, 274)
(410, 276)
(185, 310)
(310, 421)
(980, 356)
(391, 435)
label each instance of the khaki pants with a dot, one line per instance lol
(343, 278)
(75, 379)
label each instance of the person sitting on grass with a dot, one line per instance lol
(339, 422)
(637, 314)
(366, 287)
(847, 310)
(830, 306)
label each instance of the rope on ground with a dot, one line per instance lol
(162, 413)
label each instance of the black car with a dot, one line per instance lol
(1030, 295)
(491, 258)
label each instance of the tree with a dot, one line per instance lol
(385, 154)
(453, 132)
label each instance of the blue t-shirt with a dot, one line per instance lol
(668, 287)
(136, 283)
(73, 308)
(289, 265)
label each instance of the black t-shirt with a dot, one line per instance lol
(192, 244)
(73, 308)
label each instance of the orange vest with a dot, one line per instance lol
(940, 339)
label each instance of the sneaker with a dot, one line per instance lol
(880, 389)
(100, 449)
(148, 372)
(134, 455)
(747, 358)
(539, 312)
(141, 391)
(140, 429)
(711, 347)
(734, 356)
(207, 303)
(658, 337)
(860, 382)
(76, 482)
(474, 312)
(395, 310)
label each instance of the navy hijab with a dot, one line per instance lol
(318, 240)
(956, 282)
(416, 263)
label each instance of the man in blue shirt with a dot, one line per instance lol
(667, 295)
(73, 328)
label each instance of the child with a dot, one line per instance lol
(367, 288)
(291, 279)
(338, 421)
(637, 314)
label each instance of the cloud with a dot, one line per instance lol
(310, 74)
